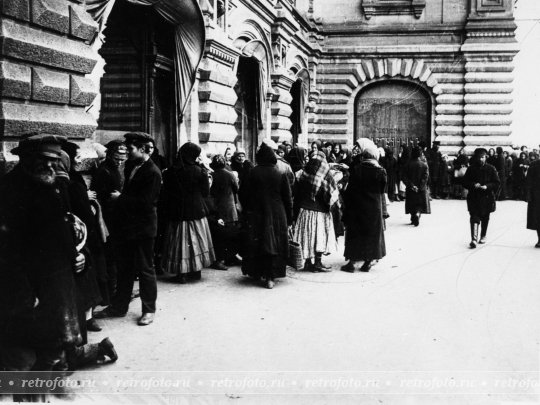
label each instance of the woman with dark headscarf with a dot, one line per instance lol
(224, 192)
(92, 285)
(390, 164)
(364, 212)
(242, 166)
(315, 193)
(519, 173)
(297, 159)
(187, 246)
(269, 212)
(482, 182)
(415, 177)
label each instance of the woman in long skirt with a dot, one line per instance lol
(415, 177)
(188, 246)
(316, 192)
(533, 207)
(364, 212)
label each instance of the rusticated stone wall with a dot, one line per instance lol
(46, 53)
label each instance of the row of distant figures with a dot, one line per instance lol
(394, 142)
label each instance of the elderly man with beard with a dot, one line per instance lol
(136, 211)
(38, 259)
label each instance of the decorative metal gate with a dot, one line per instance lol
(393, 113)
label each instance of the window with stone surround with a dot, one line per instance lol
(393, 7)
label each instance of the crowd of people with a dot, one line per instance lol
(68, 244)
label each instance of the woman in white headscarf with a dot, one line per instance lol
(364, 212)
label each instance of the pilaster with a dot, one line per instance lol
(281, 107)
(216, 89)
(489, 50)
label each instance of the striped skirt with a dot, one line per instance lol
(314, 231)
(188, 247)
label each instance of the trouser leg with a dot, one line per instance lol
(484, 226)
(125, 276)
(144, 252)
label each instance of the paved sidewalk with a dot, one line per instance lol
(433, 322)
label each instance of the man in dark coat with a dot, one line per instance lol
(500, 165)
(533, 208)
(364, 213)
(137, 215)
(108, 180)
(434, 160)
(38, 259)
(415, 177)
(482, 182)
(269, 212)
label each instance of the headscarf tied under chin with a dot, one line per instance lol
(188, 154)
(63, 166)
(296, 158)
(371, 154)
(317, 174)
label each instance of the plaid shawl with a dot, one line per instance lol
(317, 174)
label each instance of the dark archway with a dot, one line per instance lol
(392, 112)
(138, 86)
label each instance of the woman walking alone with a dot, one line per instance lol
(315, 194)
(269, 212)
(482, 182)
(187, 247)
(364, 212)
(415, 177)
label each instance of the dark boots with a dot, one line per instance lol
(483, 231)
(319, 266)
(474, 235)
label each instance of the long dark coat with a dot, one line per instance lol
(390, 164)
(416, 173)
(269, 212)
(136, 208)
(224, 191)
(533, 208)
(37, 253)
(184, 192)
(107, 179)
(481, 202)
(88, 292)
(363, 214)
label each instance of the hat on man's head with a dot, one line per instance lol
(138, 138)
(480, 152)
(47, 145)
(116, 147)
(270, 143)
(71, 149)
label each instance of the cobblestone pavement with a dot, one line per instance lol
(433, 322)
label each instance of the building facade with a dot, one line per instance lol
(397, 71)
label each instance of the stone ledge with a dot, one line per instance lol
(52, 14)
(449, 130)
(489, 77)
(452, 120)
(449, 140)
(488, 66)
(15, 80)
(45, 48)
(211, 91)
(17, 119)
(281, 122)
(213, 112)
(450, 99)
(492, 119)
(336, 89)
(479, 141)
(82, 91)
(487, 130)
(501, 88)
(81, 23)
(50, 86)
(488, 109)
(449, 109)
(19, 9)
(488, 98)
(216, 132)
(451, 78)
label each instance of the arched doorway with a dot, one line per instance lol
(300, 94)
(137, 88)
(251, 90)
(393, 112)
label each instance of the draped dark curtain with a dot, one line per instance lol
(188, 20)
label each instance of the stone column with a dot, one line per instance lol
(489, 50)
(216, 92)
(46, 53)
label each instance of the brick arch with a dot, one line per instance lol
(342, 83)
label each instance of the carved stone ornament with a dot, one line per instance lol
(393, 7)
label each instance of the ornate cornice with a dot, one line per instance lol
(393, 7)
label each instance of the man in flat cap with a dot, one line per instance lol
(38, 260)
(107, 181)
(136, 212)
(482, 181)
